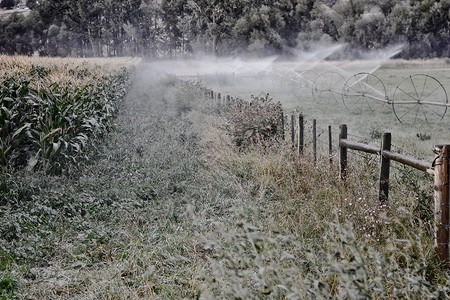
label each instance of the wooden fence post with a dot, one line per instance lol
(293, 134)
(384, 169)
(330, 146)
(342, 152)
(301, 131)
(441, 202)
(282, 125)
(315, 141)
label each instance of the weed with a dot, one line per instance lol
(423, 136)
(254, 123)
(375, 134)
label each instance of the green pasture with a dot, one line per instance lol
(294, 84)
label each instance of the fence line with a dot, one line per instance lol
(439, 168)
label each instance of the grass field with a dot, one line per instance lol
(166, 207)
(292, 83)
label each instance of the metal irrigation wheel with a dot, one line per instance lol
(364, 92)
(301, 82)
(420, 97)
(328, 85)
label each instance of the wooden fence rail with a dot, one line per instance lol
(386, 156)
(439, 168)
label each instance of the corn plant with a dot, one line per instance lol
(45, 123)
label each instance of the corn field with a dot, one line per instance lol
(51, 110)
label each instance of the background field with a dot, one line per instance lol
(285, 81)
(165, 206)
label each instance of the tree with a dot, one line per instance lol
(7, 4)
(31, 4)
(370, 30)
(429, 32)
(15, 36)
(172, 12)
(148, 28)
(386, 6)
(399, 23)
(260, 30)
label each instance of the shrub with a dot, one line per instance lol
(257, 122)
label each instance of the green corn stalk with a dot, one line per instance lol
(46, 124)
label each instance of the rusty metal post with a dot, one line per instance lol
(301, 134)
(315, 141)
(293, 134)
(441, 202)
(342, 152)
(383, 194)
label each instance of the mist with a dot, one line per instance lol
(245, 76)
(278, 65)
(313, 82)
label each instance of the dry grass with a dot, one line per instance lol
(76, 71)
(307, 234)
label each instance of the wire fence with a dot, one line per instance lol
(392, 163)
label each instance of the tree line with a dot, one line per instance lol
(180, 28)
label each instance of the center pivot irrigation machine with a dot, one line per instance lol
(416, 97)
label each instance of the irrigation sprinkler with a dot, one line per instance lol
(300, 82)
(416, 97)
(419, 96)
(364, 92)
(328, 85)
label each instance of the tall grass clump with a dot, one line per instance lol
(254, 123)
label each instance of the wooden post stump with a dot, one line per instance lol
(293, 134)
(384, 169)
(441, 202)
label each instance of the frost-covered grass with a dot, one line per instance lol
(169, 208)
